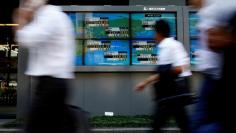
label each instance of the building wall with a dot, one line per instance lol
(111, 92)
(158, 2)
(98, 92)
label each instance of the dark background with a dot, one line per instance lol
(7, 7)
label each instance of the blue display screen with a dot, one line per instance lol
(144, 52)
(193, 20)
(194, 37)
(77, 20)
(194, 48)
(143, 24)
(79, 53)
(106, 25)
(105, 38)
(107, 52)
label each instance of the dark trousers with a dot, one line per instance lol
(163, 112)
(49, 113)
(206, 116)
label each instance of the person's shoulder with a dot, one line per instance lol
(51, 10)
(56, 12)
(173, 42)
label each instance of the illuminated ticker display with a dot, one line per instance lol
(144, 52)
(107, 52)
(106, 25)
(194, 36)
(143, 24)
(79, 53)
(194, 50)
(105, 38)
(77, 20)
(193, 21)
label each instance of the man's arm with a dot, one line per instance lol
(181, 61)
(35, 32)
(152, 79)
(177, 70)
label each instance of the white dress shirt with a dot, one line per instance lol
(209, 62)
(173, 52)
(51, 43)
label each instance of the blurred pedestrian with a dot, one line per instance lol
(171, 80)
(223, 38)
(47, 32)
(212, 14)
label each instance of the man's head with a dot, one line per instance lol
(198, 4)
(162, 30)
(221, 37)
(34, 4)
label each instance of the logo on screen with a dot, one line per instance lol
(153, 9)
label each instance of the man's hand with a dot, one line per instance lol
(177, 70)
(140, 86)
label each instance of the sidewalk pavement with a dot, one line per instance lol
(109, 130)
(95, 130)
